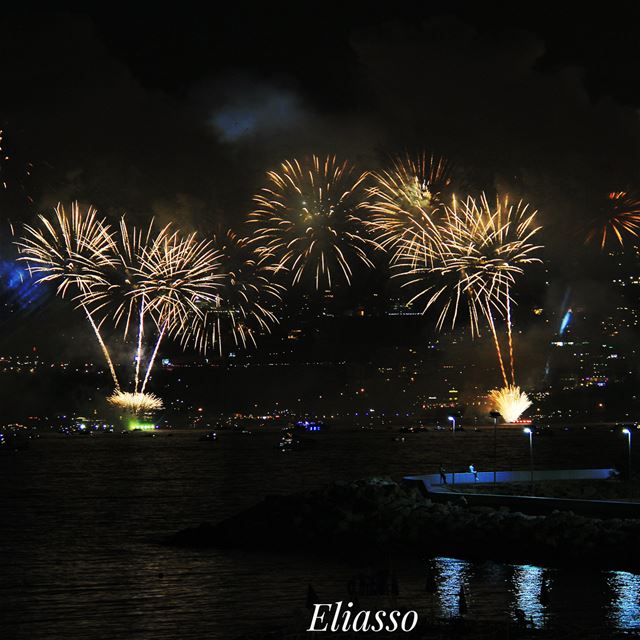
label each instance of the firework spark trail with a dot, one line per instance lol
(120, 296)
(479, 252)
(123, 277)
(180, 275)
(103, 346)
(619, 216)
(153, 355)
(177, 273)
(127, 282)
(474, 259)
(487, 247)
(161, 276)
(70, 250)
(139, 348)
(308, 219)
(510, 336)
(496, 343)
(502, 235)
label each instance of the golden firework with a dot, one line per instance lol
(244, 305)
(480, 251)
(510, 401)
(135, 402)
(308, 220)
(407, 202)
(139, 278)
(70, 250)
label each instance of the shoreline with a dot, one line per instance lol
(378, 515)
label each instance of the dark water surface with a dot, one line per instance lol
(83, 520)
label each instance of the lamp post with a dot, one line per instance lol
(627, 432)
(529, 432)
(452, 419)
(495, 415)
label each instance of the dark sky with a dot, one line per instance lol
(172, 52)
(179, 113)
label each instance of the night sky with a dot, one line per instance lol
(178, 114)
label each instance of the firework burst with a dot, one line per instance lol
(407, 202)
(480, 251)
(131, 277)
(619, 217)
(510, 401)
(135, 402)
(164, 277)
(72, 251)
(121, 293)
(244, 306)
(308, 220)
(178, 274)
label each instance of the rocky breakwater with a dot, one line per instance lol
(378, 514)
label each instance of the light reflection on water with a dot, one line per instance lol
(81, 520)
(527, 588)
(610, 598)
(450, 578)
(625, 604)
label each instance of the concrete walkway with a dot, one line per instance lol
(487, 477)
(431, 485)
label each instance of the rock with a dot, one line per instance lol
(377, 512)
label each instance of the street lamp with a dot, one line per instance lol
(627, 432)
(495, 415)
(452, 419)
(529, 432)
